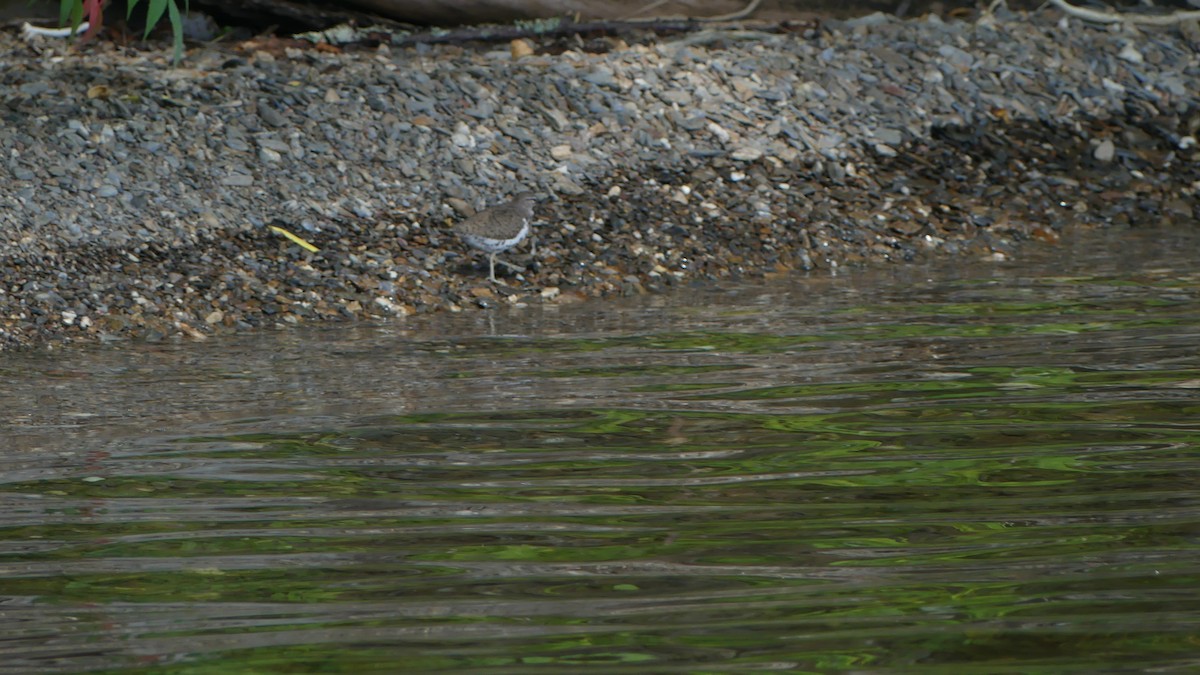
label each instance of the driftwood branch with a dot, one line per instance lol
(524, 29)
(742, 13)
(450, 12)
(563, 27)
(750, 8)
(1098, 16)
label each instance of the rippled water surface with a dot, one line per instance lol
(955, 468)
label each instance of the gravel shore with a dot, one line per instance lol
(137, 199)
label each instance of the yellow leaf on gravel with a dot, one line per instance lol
(296, 240)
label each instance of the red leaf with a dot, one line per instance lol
(95, 13)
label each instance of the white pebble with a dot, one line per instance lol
(1130, 54)
(718, 131)
(747, 154)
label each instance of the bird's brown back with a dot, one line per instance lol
(502, 221)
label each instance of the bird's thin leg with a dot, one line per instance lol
(492, 267)
(515, 268)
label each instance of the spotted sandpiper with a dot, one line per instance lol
(499, 228)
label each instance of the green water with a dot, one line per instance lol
(964, 467)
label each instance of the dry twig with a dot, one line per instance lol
(1098, 16)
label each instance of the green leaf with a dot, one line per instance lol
(154, 13)
(129, 5)
(76, 15)
(176, 30)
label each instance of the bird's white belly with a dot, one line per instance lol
(494, 245)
